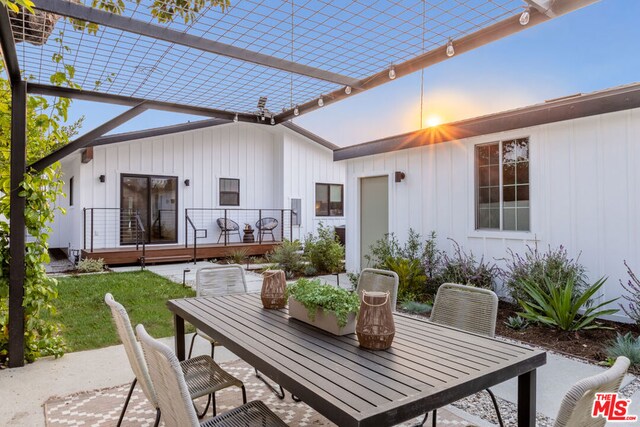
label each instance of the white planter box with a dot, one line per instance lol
(326, 321)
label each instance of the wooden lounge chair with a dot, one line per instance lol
(575, 409)
(470, 309)
(174, 400)
(228, 227)
(266, 226)
(372, 279)
(204, 377)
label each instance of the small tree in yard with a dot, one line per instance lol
(324, 251)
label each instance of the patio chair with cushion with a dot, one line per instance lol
(228, 227)
(372, 279)
(222, 280)
(470, 309)
(575, 409)
(174, 400)
(204, 377)
(266, 226)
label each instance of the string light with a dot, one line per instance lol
(273, 121)
(296, 111)
(235, 118)
(392, 73)
(524, 18)
(347, 90)
(320, 102)
(450, 50)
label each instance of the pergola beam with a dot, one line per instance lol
(88, 137)
(484, 36)
(107, 19)
(87, 95)
(8, 46)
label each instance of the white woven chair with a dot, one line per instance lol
(470, 309)
(204, 376)
(215, 281)
(372, 279)
(173, 393)
(575, 409)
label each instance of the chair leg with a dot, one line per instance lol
(213, 350)
(244, 395)
(280, 395)
(204, 412)
(495, 405)
(193, 340)
(126, 402)
(295, 398)
(219, 237)
(157, 423)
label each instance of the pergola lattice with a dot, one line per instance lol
(298, 54)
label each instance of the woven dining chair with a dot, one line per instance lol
(223, 280)
(228, 227)
(470, 309)
(575, 409)
(173, 393)
(266, 226)
(372, 279)
(204, 377)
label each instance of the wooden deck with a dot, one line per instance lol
(172, 253)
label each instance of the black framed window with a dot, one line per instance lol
(71, 191)
(229, 192)
(329, 199)
(502, 185)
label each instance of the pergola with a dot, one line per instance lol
(262, 62)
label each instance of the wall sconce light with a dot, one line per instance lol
(187, 182)
(400, 176)
(102, 178)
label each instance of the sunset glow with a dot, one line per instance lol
(433, 120)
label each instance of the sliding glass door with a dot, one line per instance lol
(155, 200)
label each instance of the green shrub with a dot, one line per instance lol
(411, 279)
(516, 323)
(310, 270)
(415, 307)
(553, 304)
(237, 256)
(464, 269)
(633, 298)
(389, 247)
(89, 265)
(624, 345)
(324, 251)
(354, 278)
(313, 295)
(534, 266)
(288, 257)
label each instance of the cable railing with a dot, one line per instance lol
(113, 227)
(232, 226)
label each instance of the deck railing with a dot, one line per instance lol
(112, 227)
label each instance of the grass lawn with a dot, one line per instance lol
(86, 319)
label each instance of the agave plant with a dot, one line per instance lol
(555, 305)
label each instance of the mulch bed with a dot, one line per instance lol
(588, 344)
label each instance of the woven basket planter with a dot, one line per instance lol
(274, 289)
(324, 320)
(375, 327)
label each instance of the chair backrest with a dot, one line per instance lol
(266, 223)
(220, 280)
(132, 348)
(227, 224)
(575, 409)
(467, 308)
(173, 394)
(372, 279)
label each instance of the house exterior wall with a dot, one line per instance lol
(305, 164)
(584, 194)
(254, 154)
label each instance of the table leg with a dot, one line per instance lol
(527, 399)
(179, 326)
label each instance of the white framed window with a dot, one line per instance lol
(502, 185)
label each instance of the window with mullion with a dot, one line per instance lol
(229, 192)
(329, 199)
(502, 185)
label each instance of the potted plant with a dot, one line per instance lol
(324, 306)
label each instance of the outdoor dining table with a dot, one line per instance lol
(427, 367)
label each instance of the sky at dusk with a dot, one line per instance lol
(594, 48)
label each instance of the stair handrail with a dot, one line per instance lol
(195, 234)
(140, 230)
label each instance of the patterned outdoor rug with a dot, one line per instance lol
(102, 407)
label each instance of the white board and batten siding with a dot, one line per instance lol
(584, 194)
(305, 164)
(254, 154)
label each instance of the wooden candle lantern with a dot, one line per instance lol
(274, 289)
(375, 327)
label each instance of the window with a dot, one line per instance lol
(329, 199)
(71, 191)
(229, 192)
(502, 185)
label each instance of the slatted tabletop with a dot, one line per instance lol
(427, 367)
